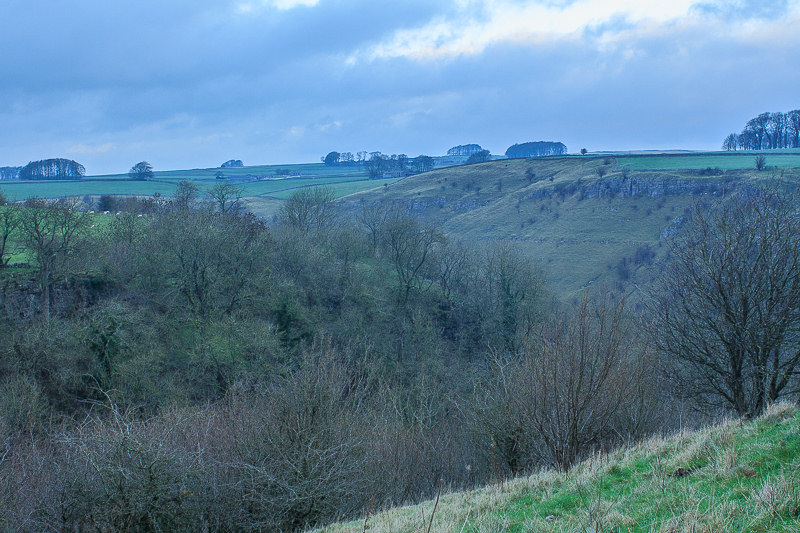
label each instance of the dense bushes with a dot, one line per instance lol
(213, 373)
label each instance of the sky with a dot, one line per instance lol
(193, 83)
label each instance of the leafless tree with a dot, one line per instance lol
(581, 384)
(309, 209)
(204, 262)
(185, 195)
(377, 165)
(51, 230)
(793, 128)
(776, 130)
(409, 244)
(373, 217)
(730, 143)
(576, 377)
(514, 292)
(227, 197)
(728, 309)
(9, 225)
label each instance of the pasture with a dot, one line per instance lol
(261, 181)
(698, 161)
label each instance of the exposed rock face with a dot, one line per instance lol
(655, 187)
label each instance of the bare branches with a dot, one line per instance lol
(728, 307)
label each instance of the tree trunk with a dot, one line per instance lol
(45, 295)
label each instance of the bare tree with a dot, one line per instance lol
(776, 130)
(423, 163)
(309, 209)
(227, 197)
(9, 225)
(512, 287)
(373, 217)
(377, 165)
(185, 195)
(730, 143)
(204, 262)
(728, 308)
(577, 388)
(793, 128)
(51, 230)
(576, 378)
(409, 245)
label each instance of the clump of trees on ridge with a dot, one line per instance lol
(536, 149)
(377, 164)
(767, 131)
(52, 169)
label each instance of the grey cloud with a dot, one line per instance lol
(192, 84)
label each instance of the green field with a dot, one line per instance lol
(721, 160)
(343, 180)
(305, 169)
(730, 478)
(266, 181)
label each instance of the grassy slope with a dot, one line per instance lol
(579, 240)
(743, 478)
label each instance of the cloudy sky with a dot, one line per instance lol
(192, 83)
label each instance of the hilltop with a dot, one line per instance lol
(729, 477)
(590, 220)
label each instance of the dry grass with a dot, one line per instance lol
(742, 477)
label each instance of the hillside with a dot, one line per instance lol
(731, 477)
(583, 227)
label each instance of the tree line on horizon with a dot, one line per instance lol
(536, 149)
(767, 131)
(378, 164)
(46, 169)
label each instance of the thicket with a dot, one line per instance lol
(198, 368)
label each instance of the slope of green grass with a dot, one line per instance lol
(732, 477)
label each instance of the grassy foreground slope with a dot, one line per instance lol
(730, 477)
(586, 220)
